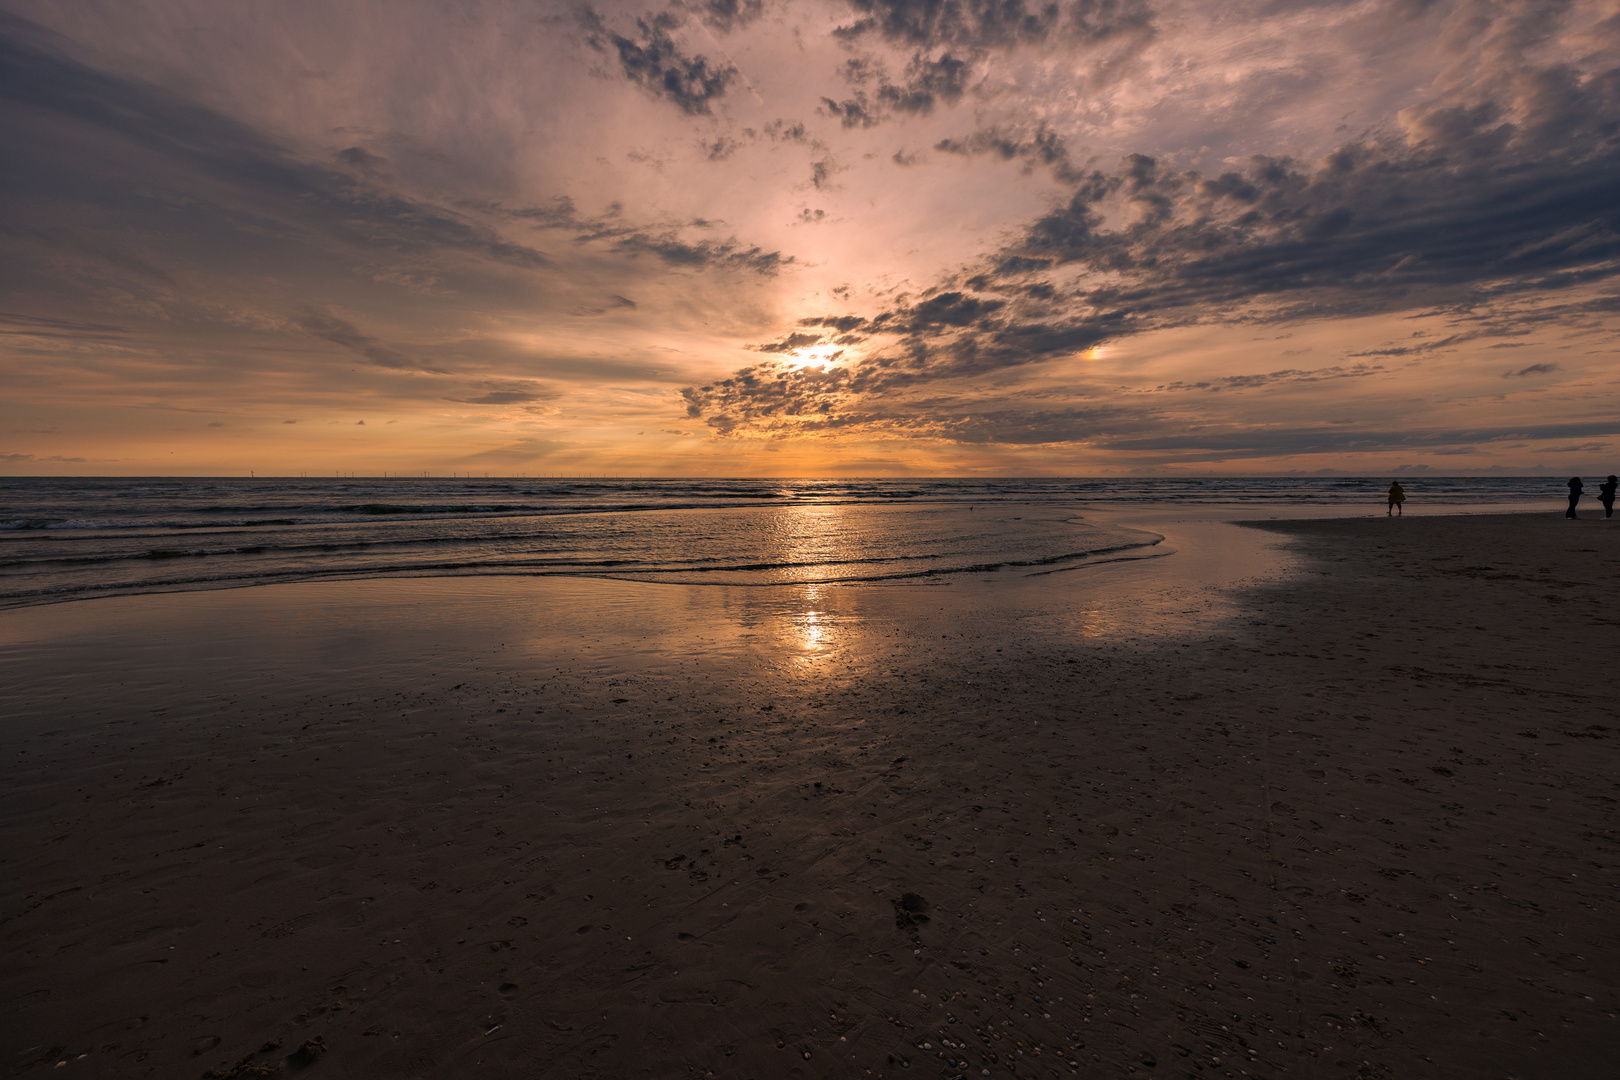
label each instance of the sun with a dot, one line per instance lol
(815, 356)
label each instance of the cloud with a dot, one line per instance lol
(509, 394)
(364, 161)
(614, 303)
(728, 15)
(1437, 218)
(1039, 147)
(1533, 369)
(451, 216)
(1579, 448)
(1128, 434)
(842, 323)
(664, 242)
(1371, 226)
(30, 458)
(724, 254)
(338, 331)
(1282, 441)
(516, 453)
(927, 82)
(996, 24)
(948, 41)
(1270, 378)
(43, 326)
(791, 343)
(57, 109)
(654, 61)
(720, 148)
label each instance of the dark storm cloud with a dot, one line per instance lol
(655, 62)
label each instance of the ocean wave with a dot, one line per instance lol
(77, 537)
(621, 569)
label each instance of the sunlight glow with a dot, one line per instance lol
(816, 356)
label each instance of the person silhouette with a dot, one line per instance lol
(1397, 495)
(1606, 496)
(1575, 486)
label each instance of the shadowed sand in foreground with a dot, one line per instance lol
(1356, 822)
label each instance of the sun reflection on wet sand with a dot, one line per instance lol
(811, 629)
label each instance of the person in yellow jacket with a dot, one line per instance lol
(1397, 495)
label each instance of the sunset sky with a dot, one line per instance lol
(809, 237)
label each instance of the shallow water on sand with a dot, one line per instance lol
(70, 538)
(182, 651)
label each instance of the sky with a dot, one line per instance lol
(809, 237)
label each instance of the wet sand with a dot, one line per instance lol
(1341, 810)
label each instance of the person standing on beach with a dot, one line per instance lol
(1397, 495)
(1606, 496)
(1575, 486)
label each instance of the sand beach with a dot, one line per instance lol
(1314, 798)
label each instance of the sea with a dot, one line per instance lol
(74, 538)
